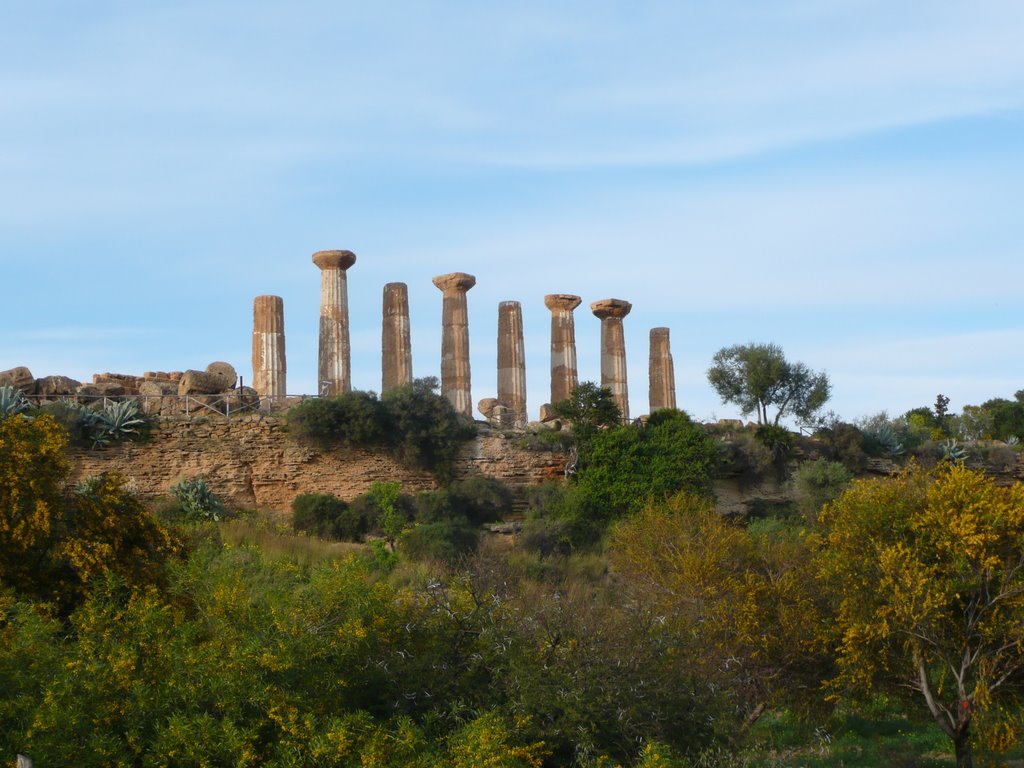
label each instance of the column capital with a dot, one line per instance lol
(564, 301)
(454, 282)
(606, 308)
(334, 259)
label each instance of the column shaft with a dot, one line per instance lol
(564, 377)
(613, 350)
(662, 377)
(512, 361)
(396, 346)
(334, 375)
(269, 366)
(455, 369)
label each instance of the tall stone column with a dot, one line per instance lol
(269, 367)
(662, 375)
(564, 378)
(334, 365)
(455, 378)
(613, 349)
(396, 348)
(512, 361)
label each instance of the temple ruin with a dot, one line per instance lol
(217, 388)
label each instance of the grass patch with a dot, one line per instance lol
(884, 735)
(280, 543)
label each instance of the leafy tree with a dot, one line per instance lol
(757, 377)
(32, 472)
(1007, 416)
(385, 496)
(741, 606)
(589, 408)
(622, 468)
(52, 545)
(927, 574)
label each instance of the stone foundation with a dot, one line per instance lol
(250, 462)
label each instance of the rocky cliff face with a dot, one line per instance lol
(251, 462)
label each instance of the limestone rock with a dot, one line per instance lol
(547, 413)
(19, 378)
(127, 381)
(112, 389)
(158, 388)
(200, 383)
(57, 386)
(225, 372)
(487, 406)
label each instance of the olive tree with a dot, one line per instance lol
(757, 377)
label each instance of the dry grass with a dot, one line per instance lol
(277, 542)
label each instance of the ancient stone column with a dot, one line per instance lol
(613, 349)
(661, 373)
(396, 348)
(563, 344)
(512, 361)
(334, 374)
(268, 359)
(455, 379)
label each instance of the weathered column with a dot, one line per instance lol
(564, 378)
(512, 361)
(662, 375)
(613, 349)
(334, 374)
(269, 366)
(396, 348)
(455, 378)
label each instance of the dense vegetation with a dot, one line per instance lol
(628, 624)
(418, 425)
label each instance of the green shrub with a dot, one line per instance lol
(844, 443)
(556, 523)
(418, 425)
(817, 483)
(480, 499)
(327, 516)
(444, 541)
(621, 468)
(425, 430)
(352, 419)
(776, 439)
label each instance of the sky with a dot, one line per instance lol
(843, 178)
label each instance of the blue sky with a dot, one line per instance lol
(841, 177)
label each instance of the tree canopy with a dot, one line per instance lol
(927, 573)
(757, 377)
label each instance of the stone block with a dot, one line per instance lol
(19, 378)
(57, 386)
(225, 372)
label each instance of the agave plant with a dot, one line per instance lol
(197, 501)
(952, 450)
(886, 437)
(12, 401)
(117, 421)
